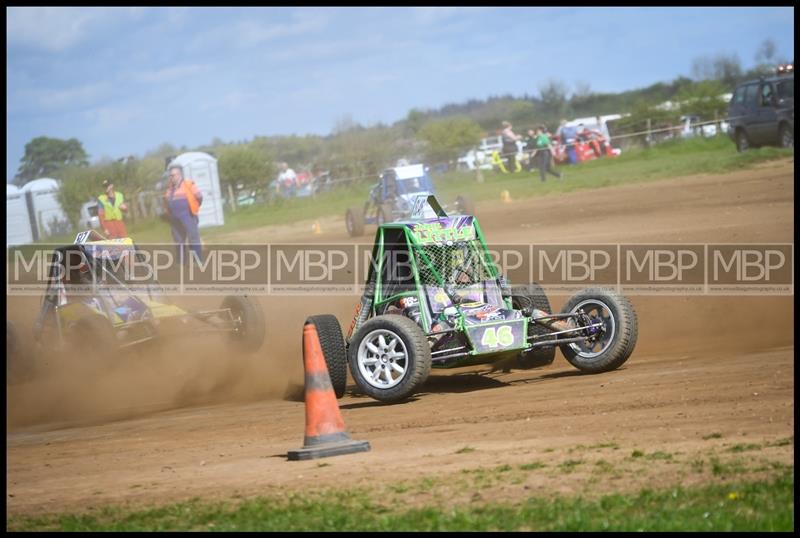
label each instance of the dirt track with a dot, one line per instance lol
(86, 436)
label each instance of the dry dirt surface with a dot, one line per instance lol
(192, 420)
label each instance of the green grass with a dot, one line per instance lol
(569, 465)
(673, 159)
(744, 447)
(765, 505)
(782, 442)
(532, 466)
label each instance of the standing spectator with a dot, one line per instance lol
(287, 180)
(510, 146)
(530, 146)
(544, 151)
(183, 200)
(109, 210)
(603, 128)
(568, 136)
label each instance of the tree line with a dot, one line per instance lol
(353, 151)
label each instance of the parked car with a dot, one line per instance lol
(761, 112)
(89, 215)
(481, 156)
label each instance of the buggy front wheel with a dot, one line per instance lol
(389, 358)
(248, 319)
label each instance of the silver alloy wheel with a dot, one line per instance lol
(382, 359)
(787, 138)
(744, 145)
(601, 310)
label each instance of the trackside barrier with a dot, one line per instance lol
(501, 163)
(325, 432)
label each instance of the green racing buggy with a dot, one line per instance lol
(434, 298)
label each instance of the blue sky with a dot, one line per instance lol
(125, 80)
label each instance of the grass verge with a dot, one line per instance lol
(765, 505)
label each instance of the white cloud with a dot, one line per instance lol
(166, 74)
(43, 99)
(111, 118)
(56, 29)
(254, 31)
(231, 101)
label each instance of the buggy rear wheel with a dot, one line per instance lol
(354, 221)
(248, 333)
(332, 343)
(609, 346)
(384, 214)
(389, 358)
(534, 297)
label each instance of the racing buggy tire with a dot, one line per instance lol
(354, 221)
(533, 296)
(384, 214)
(94, 333)
(250, 334)
(615, 344)
(386, 346)
(332, 343)
(465, 206)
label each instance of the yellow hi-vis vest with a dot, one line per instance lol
(112, 212)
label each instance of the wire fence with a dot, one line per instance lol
(647, 135)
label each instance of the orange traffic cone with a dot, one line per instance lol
(325, 433)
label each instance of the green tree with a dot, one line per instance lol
(553, 94)
(447, 138)
(703, 100)
(244, 165)
(415, 120)
(80, 185)
(45, 156)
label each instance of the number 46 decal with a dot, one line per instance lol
(502, 337)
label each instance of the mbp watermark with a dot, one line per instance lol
(750, 269)
(398, 266)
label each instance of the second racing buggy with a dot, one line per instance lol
(392, 198)
(435, 299)
(91, 304)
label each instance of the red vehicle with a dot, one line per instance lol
(588, 146)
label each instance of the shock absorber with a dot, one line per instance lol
(362, 310)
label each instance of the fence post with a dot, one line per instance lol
(231, 198)
(649, 139)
